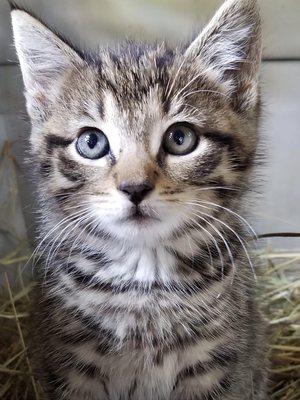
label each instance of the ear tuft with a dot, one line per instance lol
(230, 45)
(44, 58)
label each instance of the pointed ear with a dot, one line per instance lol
(44, 59)
(230, 45)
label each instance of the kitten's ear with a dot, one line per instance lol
(44, 58)
(230, 46)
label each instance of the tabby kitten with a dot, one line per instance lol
(143, 156)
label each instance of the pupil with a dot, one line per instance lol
(92, 140)
(179, 137)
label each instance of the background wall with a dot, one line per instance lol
(98, 22)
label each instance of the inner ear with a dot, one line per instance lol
(44, 59)
(230, 45)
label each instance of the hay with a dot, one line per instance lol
(279, 295)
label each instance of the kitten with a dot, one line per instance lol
(144, 156)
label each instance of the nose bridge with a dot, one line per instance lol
(135, 168)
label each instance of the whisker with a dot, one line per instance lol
(64, 220)
(215, 187)
(76, 222)
(80, 235)
(203, 91)
(197, 91)
(208, 249)
(195, 109)
(239, 239)
(222, 238)
(80, 195)
(231, 212)
(206, 244)
(213, 240)
(169, 89)
(219, 234)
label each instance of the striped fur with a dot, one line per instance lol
(161, 308)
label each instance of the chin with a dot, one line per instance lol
(142, 230)
(141, 226)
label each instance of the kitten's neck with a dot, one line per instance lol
(109, 258)
(185, 256)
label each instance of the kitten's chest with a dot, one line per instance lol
(133, 318)
(139, 301)
(137, 354)
(126, 341)
(145, 326)
(132, 338)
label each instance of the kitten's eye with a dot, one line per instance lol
(92, 144)
(180, 140)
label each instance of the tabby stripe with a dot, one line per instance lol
(91, 371)
(68, 168)
(76, 337)
(86, 113)
(92, 325)
(132, 388)
(178, 343)
(186, 228)
(57, 141)
(105, 338)
(93, 230)
(86, 369)
(188, 288)
(195, 333)
(224, 357)
(195, 263)
(63, 194)
(99, 258)
(220, 187)
(107, 341)
(221, 137)
(198, 265)
(200, 328)
(53, 377)
(105, 347)
(233, 144)
(220, 359)
(45, 168)
(221, 387)
(183, 342)
(53, 381)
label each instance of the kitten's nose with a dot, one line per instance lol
(136, 192)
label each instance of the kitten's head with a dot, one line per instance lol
(143, 140)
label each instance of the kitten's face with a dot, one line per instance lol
(140, 143)
(136, 126)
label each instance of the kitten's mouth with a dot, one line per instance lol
(140, 216)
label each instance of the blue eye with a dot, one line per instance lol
(92, 144)
(180, 140)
